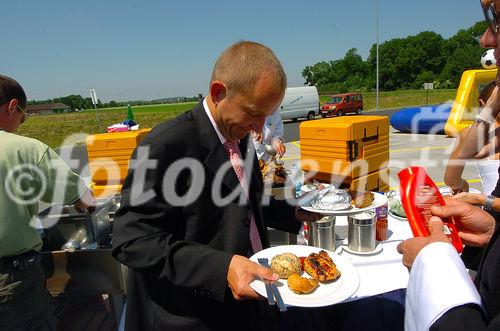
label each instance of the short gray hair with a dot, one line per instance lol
(243, 63)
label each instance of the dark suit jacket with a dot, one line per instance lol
(472, 317)
(179, 253)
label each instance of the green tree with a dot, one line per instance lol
(403, 63)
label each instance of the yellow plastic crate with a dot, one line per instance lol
(104, 191)
(345, 148)
(377, 181)
(109, 155)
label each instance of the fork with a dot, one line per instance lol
(271, 287)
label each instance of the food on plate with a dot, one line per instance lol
(396, 208)
(331, 198)
(272, 172)
(312, 185)
(321, 267)
(302, 258)
(285, 264)
(301, 285)
(361, 199)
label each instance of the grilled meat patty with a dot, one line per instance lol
(321, 267)
(361, 199)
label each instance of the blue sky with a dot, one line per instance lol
(131, 49)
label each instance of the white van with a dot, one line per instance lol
(300, 102)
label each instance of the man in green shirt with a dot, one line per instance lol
(30, 172)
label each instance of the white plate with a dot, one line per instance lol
(378, 249)
(443, 190)
(326, 294)
(379, 200)
(399, 218)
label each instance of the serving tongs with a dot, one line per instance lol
(273, 294)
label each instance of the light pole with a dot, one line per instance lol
(93, 97)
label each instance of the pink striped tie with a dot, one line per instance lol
(233, 151)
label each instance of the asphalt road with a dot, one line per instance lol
(292, 128)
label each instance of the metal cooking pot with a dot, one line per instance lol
(63, 224)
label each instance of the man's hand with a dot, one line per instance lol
(85, 203)
(302, 215)
(242, 272)
(411, 247)
(474, 225)
(470, 198)
(279, 146)
(257, 136)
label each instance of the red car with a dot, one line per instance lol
(341, 104)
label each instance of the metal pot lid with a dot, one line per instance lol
(364, 218)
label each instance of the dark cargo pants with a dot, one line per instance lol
(25, 303)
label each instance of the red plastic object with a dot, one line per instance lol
(418, 193)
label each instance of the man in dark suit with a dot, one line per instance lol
(190, 216)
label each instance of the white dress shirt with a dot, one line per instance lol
(438, 282)
(210, 117)
(273, 128)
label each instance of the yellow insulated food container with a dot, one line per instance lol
(109, 155)
(342, 149)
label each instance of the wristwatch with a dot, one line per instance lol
(488, 203)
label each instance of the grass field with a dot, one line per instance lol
(405, 98)
(58, 129)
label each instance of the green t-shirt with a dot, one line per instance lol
(30, 172)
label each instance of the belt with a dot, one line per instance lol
(19, 262)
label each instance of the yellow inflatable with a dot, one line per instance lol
(465, 107)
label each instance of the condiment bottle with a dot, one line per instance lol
(382, 226)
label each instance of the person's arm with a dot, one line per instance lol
(146, 234)
(279, 128)
(144, 228)
(436, 269)
(455, 167)
(438, 283)
(490, 148)
(479, 133)
(277, 134)
(465, 318)
(86, 202)
(477, 199)
(60, 184)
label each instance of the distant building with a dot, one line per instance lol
(48, 108)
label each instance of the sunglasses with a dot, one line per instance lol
(490, 15)
(25, 114)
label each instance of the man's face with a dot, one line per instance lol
(239, 114)
(489, 39)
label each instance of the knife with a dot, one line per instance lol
(274, 288)
(269, 291)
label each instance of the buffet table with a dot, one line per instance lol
(378, 304)
(381, 272)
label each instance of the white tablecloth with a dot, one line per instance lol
(382, 272)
